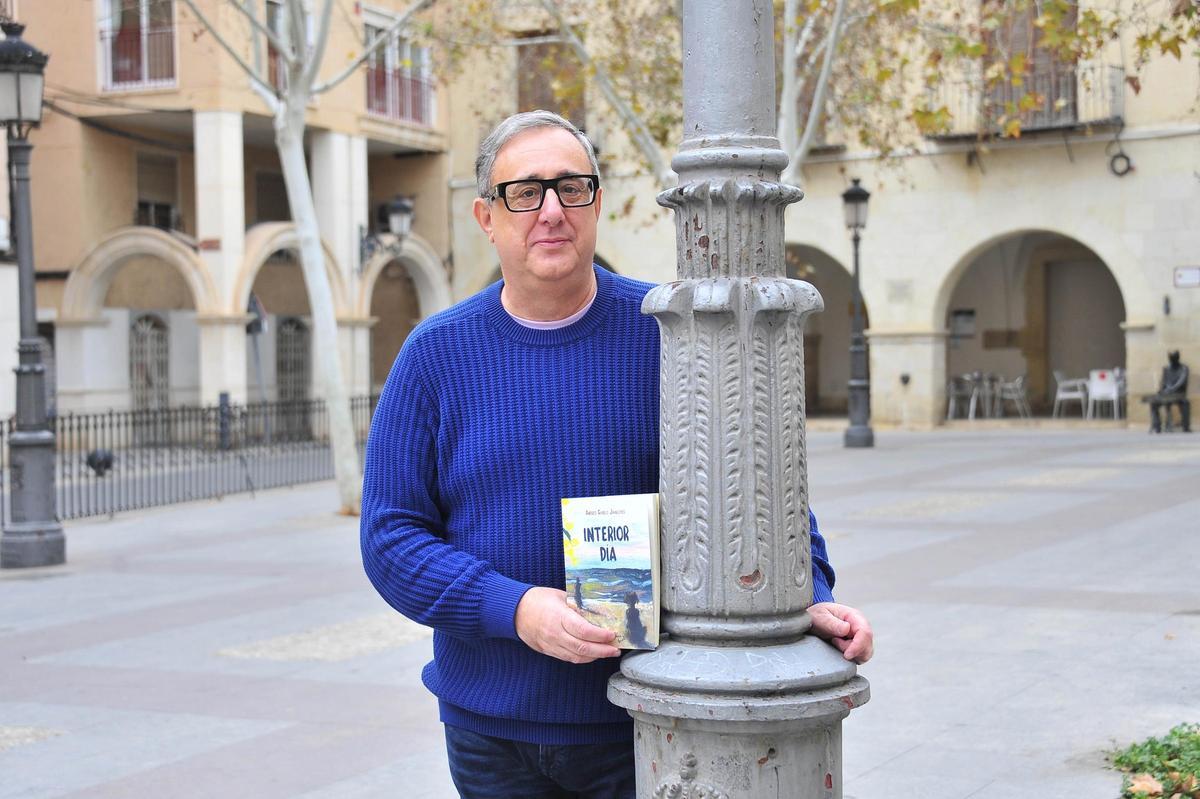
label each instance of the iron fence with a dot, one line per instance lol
(125, 460)
(1056, 96)
(399, 95)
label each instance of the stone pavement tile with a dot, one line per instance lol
(97, 746)
(1147, 553)
(946, 508)
(280, 764)
(849, 546)
(199, 646)
(80, 596)
(931, 771)
(270, 699)
(416, 773)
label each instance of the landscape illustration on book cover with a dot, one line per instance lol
(610, 550)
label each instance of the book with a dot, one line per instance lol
(610, 554)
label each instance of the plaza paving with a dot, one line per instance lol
(1035, 595)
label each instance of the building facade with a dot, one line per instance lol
(166, 260)
(161, 220)
(1067, 250)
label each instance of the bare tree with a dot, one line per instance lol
(300, 56)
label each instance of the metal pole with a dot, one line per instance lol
(34, 537)
(859, 433)
(738, 702)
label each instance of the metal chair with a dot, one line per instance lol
(1103, 386)
(1067, 389)
(1014, 392)
(958, 389)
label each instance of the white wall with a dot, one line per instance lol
(10, 336)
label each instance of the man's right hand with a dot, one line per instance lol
(547, 624)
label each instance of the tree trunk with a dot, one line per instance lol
(289, 139)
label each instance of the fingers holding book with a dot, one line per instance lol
(547, 624)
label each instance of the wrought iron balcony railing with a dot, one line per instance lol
(138, 57)
(398, 95)
(1052, 97)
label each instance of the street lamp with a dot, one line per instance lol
(396, 217)
(859, 433)
(34, 537)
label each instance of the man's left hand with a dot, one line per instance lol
(844, 627)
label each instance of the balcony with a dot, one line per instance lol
(1058, 97)
(138, 57)
(397, 95)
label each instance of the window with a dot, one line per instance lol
(157, 192)
(149, 382)
(399, 81)
(292, 357)
(276, 68)
(270, 198)
(550, 77)
(137, 39)
(1047, 76)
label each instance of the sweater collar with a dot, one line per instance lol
(509, 328)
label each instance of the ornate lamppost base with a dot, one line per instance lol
(31, 544)
(703, 728)
(857, 436)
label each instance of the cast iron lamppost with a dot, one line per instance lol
(34, 537)
(740, 702)
(396, 217)
(859, 433)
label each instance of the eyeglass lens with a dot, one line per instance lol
(572, 191)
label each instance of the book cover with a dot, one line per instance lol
(610, 551)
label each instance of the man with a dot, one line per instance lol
(1171, 391)
(540, 387)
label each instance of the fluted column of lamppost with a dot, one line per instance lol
(34, 536)
(738, 701)
(859, 433)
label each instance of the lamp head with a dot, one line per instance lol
(21, 78)
(854, 199)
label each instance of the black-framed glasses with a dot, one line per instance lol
(574, 191)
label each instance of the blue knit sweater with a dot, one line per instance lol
(483, 427)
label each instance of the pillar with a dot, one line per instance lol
(919, 402)
(739, 701)
(339, 183)
(221, 231)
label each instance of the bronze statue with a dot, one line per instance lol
(1172, 391)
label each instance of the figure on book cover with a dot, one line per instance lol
(578, 594)
(635, 631)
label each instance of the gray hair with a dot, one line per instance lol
(515, 125)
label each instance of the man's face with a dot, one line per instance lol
(551, 243)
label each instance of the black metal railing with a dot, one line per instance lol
(138, 57)
(1052, 96)
(124, 460)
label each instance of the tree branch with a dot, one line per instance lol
(255, 80)
(641, 137)
(817, 108)
(318, 53)
(275, 41)
(375, 44)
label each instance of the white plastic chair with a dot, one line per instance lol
(1103, 386)
(1068, 389)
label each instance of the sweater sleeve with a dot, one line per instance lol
(402, 531)
(823, 576)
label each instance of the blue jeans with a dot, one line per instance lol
(484, 767)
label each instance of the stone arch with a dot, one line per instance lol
(88, 283)
(827, 334)
(267, 238)
(424, 268)
(1139, 306)
(1035, 300)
